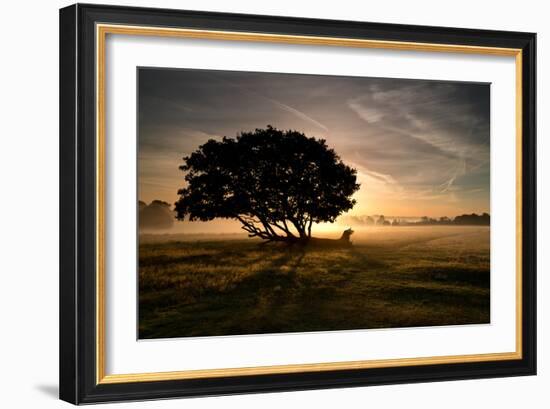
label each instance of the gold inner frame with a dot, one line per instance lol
(101, 33)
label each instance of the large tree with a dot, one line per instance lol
(276, 183)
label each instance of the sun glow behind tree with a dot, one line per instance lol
(277, 184)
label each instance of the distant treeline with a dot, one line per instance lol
(463, 220)
(156, 215)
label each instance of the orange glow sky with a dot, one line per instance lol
(421, 148)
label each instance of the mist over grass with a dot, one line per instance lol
(205, 285)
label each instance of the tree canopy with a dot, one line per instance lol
(276, 183)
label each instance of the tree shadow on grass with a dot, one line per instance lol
(281, 271)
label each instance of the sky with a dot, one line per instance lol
(421, 148)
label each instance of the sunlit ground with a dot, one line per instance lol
(199, 285)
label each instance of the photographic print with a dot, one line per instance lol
(258, 204)
(280, 203)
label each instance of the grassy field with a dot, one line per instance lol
(390, 277)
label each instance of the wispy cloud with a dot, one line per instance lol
(439, 116)
(298, 113)
(369, 114)
(239, 87)
(448, 184)
(414, 143)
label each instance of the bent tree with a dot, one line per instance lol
(276, 183)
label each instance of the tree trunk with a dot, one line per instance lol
(257, 226)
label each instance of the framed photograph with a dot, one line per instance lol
(257, 203)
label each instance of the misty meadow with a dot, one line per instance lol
(274, 203)
(390, 277)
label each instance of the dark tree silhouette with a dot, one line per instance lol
(276, 183)
(473, 219)
(155, 216)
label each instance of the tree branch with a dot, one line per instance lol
(284, 228)
(248, 224)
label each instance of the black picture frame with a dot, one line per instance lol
(78, 317)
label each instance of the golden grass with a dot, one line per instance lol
(390, 277)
